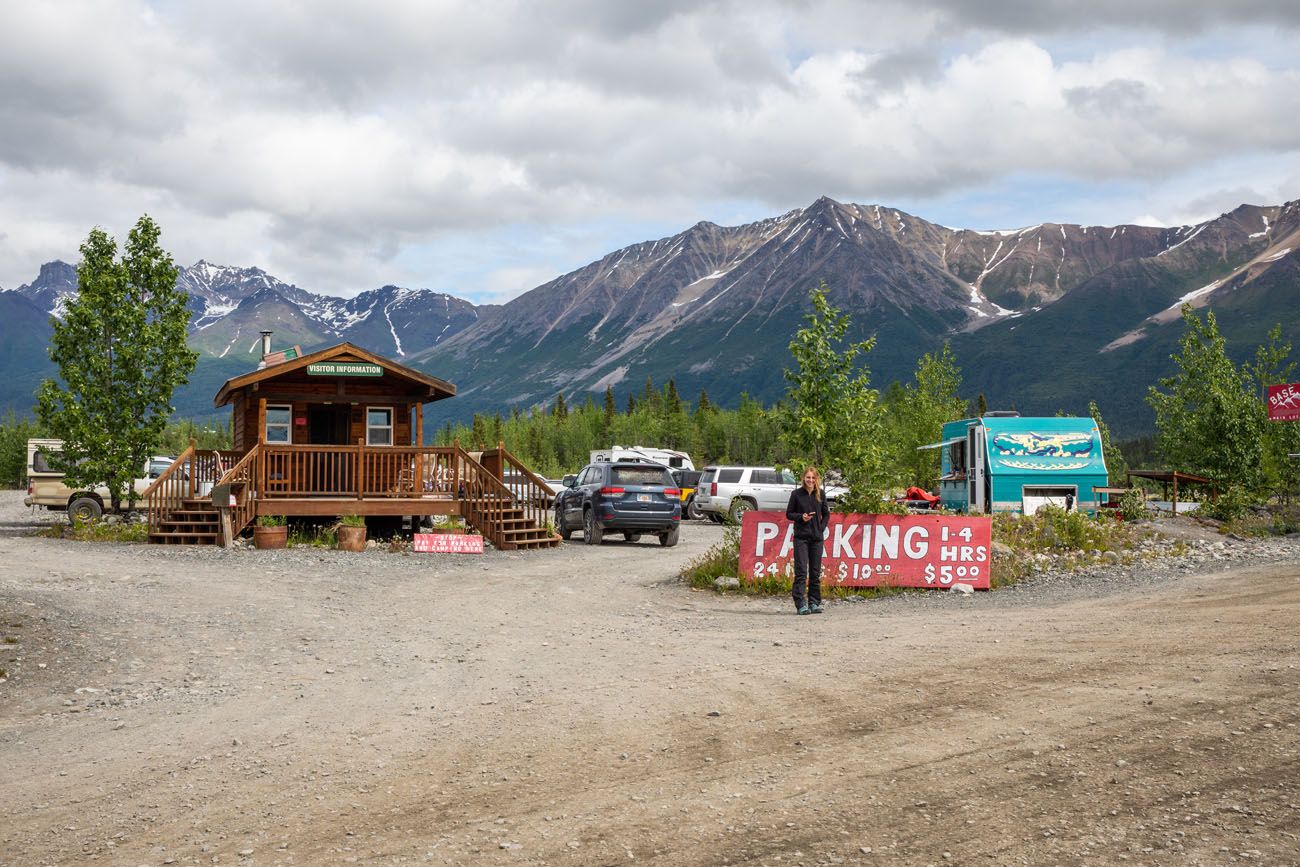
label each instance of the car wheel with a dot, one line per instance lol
(85, 509)
(693, 511)
(739, 507)
(591, 531)
(669, 539)
(632, 537)
(714, 517)
(565, 532)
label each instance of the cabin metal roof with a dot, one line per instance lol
(437, 389)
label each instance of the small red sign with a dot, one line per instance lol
(1284, 402)
(934, 551)
(447, 543)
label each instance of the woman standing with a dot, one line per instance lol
(808, 511)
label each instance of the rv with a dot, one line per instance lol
(1004, 463)
(666, 457)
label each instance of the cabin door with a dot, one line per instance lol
(328, 425)
(976, 469)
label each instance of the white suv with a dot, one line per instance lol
(734, 491)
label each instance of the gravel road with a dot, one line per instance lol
(582, 706)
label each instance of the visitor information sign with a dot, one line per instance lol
(1284, 402)
(935, 551)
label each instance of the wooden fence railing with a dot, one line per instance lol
(190, 476)
(241, 478)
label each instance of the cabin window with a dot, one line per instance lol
(279, 423)
(379, 426)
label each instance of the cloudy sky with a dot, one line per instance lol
(481, 148)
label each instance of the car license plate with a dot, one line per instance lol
(643, 498)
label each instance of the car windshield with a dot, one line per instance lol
(640, 476)
(788, 478)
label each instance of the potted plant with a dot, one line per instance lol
(271, 531)
(352, 533)
(454, 525)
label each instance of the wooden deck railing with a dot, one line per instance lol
(241, 479)
(527, 489)
(362, 472)
(191, 475)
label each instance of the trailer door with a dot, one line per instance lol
(976, 469)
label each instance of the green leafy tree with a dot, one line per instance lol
(672, 400)
(611, 408)
(833, 419)
(917, 416)
(1280, 472)
(1209, 417)
(14, 434)
(121, 353)
(1116, 466)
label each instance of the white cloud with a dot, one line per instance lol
(323, 140)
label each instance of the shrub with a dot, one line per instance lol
(1231, 505)
(722, 559)
(352, 521)
(270, 520)
(1132, 505)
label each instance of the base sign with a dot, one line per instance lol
(875, 550)
(447, 543)
(1284, 402)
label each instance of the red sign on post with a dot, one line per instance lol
(935, 551)
(1284, 402)
(447, 543)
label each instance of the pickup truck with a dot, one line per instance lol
(47, 486)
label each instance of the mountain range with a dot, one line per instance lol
(1041, 319)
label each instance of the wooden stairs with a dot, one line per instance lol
(515, 531)
(196, 522)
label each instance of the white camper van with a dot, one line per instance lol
(666, 457)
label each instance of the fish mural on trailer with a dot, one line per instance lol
(1057, 445)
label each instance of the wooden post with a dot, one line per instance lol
(1175, 492)
(417, 483)
(455, 473)
(227, 536)
(194, 465)
(361, 467)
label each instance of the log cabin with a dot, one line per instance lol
(340, 432)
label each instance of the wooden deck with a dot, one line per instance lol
(495, 493)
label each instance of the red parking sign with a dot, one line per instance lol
(934, 551)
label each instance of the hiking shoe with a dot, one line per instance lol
(816, 607)
(804, 609)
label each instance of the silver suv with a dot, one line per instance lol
(733, 491)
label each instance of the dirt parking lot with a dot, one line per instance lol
(582, 706)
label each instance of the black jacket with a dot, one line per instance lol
(801, 501)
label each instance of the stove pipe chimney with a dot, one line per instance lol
(266, 348)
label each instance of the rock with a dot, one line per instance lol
(1002, 549)
(1110, 557)
(714, 713)
(726, 582)
(962, 588)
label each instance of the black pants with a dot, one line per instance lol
(807, 570)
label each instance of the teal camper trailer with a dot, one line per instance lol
(1004, 463)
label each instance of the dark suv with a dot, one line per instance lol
(635, 498)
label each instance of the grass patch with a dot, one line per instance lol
(129, 532)
(303, 536)
(1276, 520)
(1022, 544)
